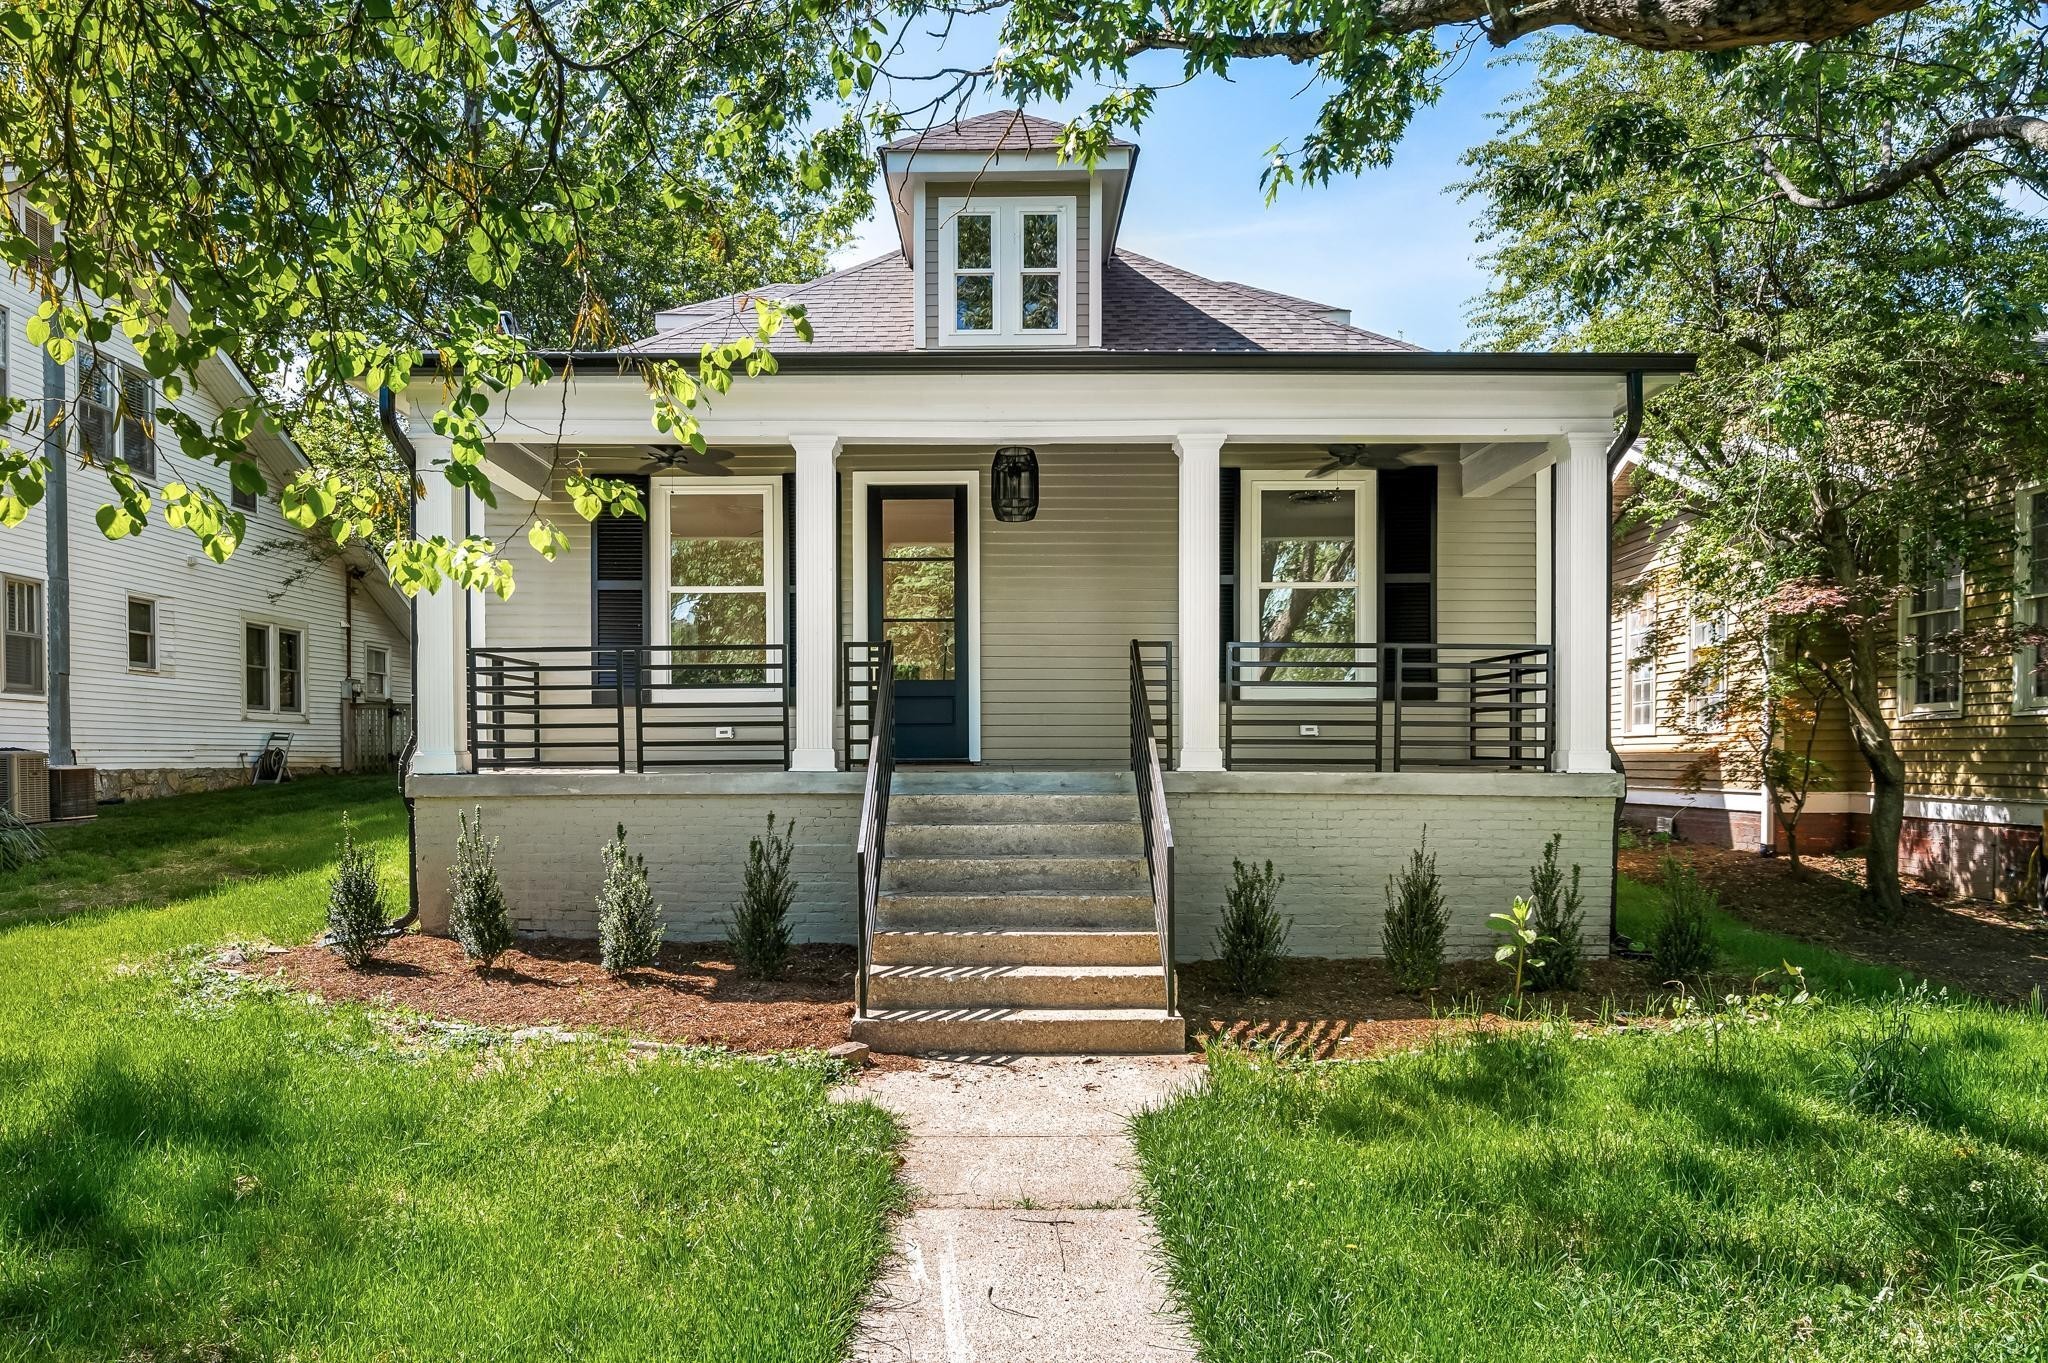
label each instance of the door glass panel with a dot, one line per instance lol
(924, 649)
(920, 588)
(1308, 535)
(717, 540)
(917, 528)
(917, 590)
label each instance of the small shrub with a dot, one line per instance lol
(19, 843)
(1251, 941)
(629, 923)
(1518, 923)
(356, 915)
(1558, 915)
(476, 910)
(1682, 946)
(759, 932)
(1412, 938)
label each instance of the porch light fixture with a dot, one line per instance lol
(1013, 483)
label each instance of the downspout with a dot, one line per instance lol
(57, 567)
(387, 418)
(1631, 427)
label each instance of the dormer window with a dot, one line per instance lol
(1007, 271)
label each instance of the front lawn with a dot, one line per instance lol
(194, 1167)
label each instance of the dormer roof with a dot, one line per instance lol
(1004, 130)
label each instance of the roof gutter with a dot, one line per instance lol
(1624, 440)
(387, 419)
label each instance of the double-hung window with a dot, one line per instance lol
(2030, 600)
(141, 634)
(1309, 540)
(718, 594)
(21, 612)
(376, 673)
(117, 414)
(1006, 271)
(273, 669)
(1642, 669)
(1932, 679)
(1707, 669)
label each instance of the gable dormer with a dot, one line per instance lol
(1006, 242)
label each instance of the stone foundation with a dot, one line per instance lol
(156, 783)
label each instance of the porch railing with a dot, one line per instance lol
(860, 671)
(1362, 706)
(872, 839)
(650, 708)
(1146, 767)
(1154, 660)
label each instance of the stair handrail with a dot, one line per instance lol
(874, 812)
(1152, 817)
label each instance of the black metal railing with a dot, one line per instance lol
(870, 842)
(859, 673)
(1150, 774)
(1154, 658)
(649, 708)
(1360, 706)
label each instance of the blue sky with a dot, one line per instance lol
(1393, 245)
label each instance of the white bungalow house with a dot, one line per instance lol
(1045, 582)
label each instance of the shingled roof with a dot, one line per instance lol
(1004, 130)
(1147, 306)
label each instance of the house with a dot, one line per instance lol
(1971, 725)
(142, 659)
(1030, 509)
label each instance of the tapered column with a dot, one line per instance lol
(440, 680)
(1579, 553)
(817, 595)
(1201, 638)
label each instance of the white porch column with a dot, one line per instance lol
(817, 596)
(1579, 553)
(1201, 637)
(440, 678)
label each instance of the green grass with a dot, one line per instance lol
(1633, 1196)
(189, 1172)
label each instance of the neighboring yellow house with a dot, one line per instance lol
(1972, 726)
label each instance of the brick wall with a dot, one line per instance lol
(1338, 850)
(695, 845)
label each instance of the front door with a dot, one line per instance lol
(918, 577)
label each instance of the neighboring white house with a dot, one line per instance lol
(1095, 506)
(143, 659)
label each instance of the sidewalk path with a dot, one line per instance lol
(1026, 1242)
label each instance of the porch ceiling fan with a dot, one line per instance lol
(683, 459)
(1361, 457)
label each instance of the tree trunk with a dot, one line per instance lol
(1873, 735)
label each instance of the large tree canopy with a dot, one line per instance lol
(1868, 375)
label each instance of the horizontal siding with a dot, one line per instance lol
(1486, 565)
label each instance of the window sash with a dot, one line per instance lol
(751, 668)
(2030, 598)
(291, 671)
(21, 640)
(142, 634)
(1933, 674)
(1642, 672)
(256, 667)
(1350, 665)
(377, 673)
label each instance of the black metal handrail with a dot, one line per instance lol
(1152, 816)
(645, 708)
(1364, 706)
(1155, 657)
(859, 671)
(872, 838)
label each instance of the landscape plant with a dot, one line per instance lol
(1518, 924)
(1682, 944)
(20, 844)
(477, 913)
(759, 933)
(629, 922)
(1417, 921)
(1558, 916)
(1251, 939)
(357, 919)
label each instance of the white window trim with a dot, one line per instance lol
(1693, 644)
(1637, 625)
(770, 489)
(1908, 708)
(369, 671)
(156, 633)
(1252, 484)
(1006, 265)
(2022, 571)
(270, 710)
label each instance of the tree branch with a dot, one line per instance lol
(2021, 129)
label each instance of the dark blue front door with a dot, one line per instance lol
(917, 599)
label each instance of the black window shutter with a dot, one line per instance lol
(618, 590)
(788, 574)
(1407, 500)
(1231, 481)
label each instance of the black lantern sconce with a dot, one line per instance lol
(1013, 483)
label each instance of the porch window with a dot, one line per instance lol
(23, 647)
(1705, 641)
(2030, 601)
(1006, 269)
(720, 594)
(1933, 674)
(1307, 538)
(1642, 671)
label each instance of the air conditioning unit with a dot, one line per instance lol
(25, 784)
(74, 792)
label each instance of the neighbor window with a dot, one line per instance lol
(1007, 270)
(377, 673)
(1307, 539)
(274, 668)
(718, 597)
(117, 414)
(1707, 671)
(141, 634)
(2030, 599)
(240, 500)
(1642, 670)
(23, 610)
(42, 237)
(6, 326)
(1933, 680)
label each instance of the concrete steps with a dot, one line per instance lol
(1016, 917)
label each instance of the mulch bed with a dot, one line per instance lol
(1349, 1009)
(1991, 950)
(694, 994)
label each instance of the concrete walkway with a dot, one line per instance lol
(1025, 1242)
